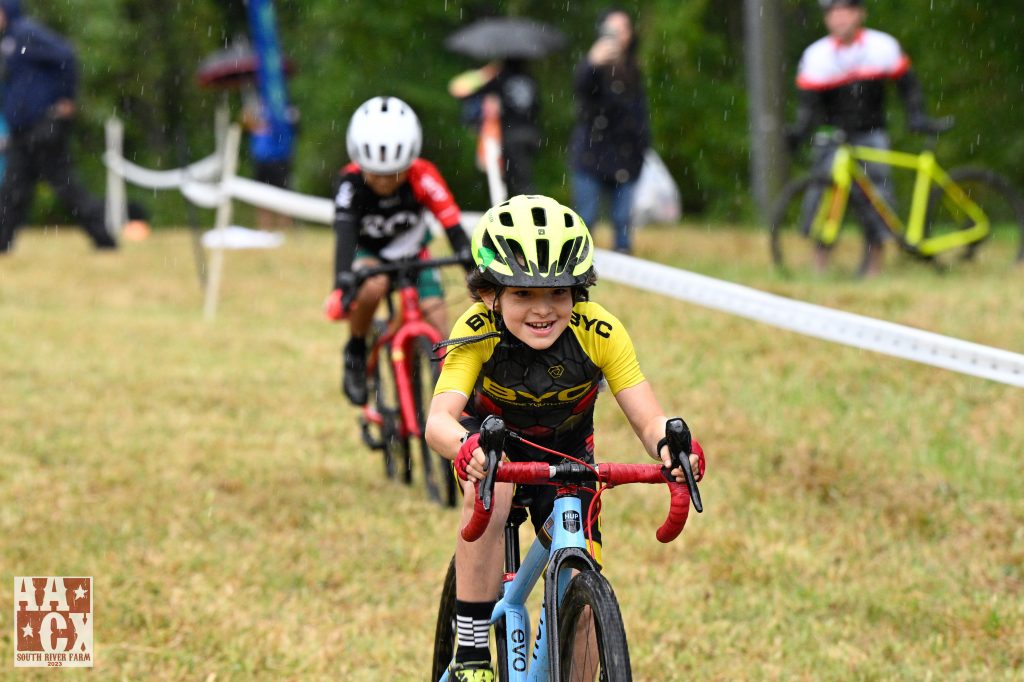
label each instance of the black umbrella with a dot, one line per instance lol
(232, 68)
(506, 38)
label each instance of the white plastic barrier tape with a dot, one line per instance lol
(206, 169)
(805, 318)
(813, 320)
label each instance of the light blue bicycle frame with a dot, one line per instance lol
(565, 526)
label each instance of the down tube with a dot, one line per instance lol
(512, 608)
(565, 526)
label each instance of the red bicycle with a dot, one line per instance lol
(401, 372)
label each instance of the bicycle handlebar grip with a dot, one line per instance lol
(680, 444)
(679, 510)
(478, 523)
(492, 441)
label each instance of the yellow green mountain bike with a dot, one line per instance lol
(951, 212)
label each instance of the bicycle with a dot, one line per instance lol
(401, 371)
(951, 213)
(558, 553)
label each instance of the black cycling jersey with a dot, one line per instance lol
(544, 395)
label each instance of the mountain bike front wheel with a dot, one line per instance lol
(437, 471)
(592, 638)
(994, 195)
(795, 222)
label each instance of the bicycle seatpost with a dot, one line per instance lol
(680, 444)
(492, 442)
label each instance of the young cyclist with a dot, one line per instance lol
(535, 353)
(379, 216)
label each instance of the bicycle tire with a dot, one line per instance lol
(377, 391)
(396, 449)
(445, 634)
(437, 471)
(591, 589)
(993, 193)
(794, 251)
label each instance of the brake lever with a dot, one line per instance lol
(680, 444)
(492, 441)
(348, 294)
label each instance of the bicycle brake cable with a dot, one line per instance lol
(460, 341)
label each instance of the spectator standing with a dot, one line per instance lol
(39, 84)
(519, 101)
(612, 131)
(841, 81)
(271, 156)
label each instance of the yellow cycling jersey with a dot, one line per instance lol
(546, 395)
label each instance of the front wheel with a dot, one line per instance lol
(795, 223)
(437, 471)
(383, 393)
(993, 194)
(591, 637)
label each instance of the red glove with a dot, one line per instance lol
(701, 462)
(465, 455)
(332, 307)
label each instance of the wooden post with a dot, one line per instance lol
(223, 218)
(117, 200)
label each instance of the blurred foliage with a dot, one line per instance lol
(138, 59)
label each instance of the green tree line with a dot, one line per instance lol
(139, 57)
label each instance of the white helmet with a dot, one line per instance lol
(384, 136)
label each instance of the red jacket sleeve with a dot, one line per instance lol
(432, 191)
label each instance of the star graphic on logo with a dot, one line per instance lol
(80, 592)
(27, 631)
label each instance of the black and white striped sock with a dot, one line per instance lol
(472, 621)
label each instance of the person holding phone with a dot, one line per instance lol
(612, 129)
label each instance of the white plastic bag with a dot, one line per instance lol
(656, 198)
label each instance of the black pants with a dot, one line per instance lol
(519, 146)
(43, 152)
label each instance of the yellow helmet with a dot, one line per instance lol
(533, 241)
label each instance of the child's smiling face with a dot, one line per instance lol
(537, 317)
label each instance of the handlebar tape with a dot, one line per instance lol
(536, 473)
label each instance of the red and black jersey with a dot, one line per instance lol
(845, 83)
(390, 227)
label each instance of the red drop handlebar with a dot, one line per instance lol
(611, 473)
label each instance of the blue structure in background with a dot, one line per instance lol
(4, 132)
(274, 141)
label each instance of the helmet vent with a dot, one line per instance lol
(569, 222)
(384, 105)
(505, 218)
(383, 153)
(366, 151)
(568, 249)
(543, 257)
(488, 243)
(398, 151)
(540, 216)
(515, 250)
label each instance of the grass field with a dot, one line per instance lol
(864, 516)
